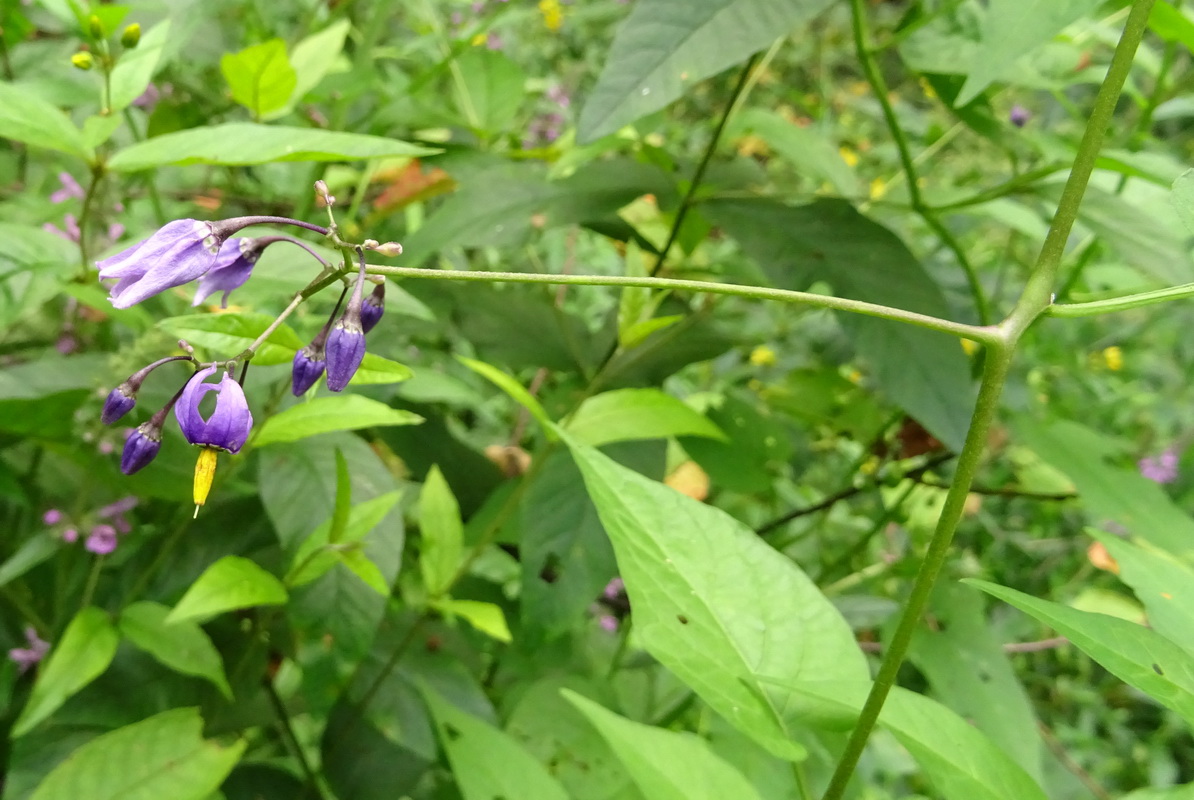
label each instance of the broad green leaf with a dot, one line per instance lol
(375, 370)
(493, 89)
(347, 412)
(34, 266)
(48, 417)
(513, 388)
(924, 372)
(343, 506)
(260, 76)
(961, 762)
(628, 414)
(246, 143)
(25, 117)
(135, 68)
(229, 584)
(34, 551)
(806, 149)
(1135, 654)
(964, 661)
(485, 617)
(82, 654)
(1162, 583)
(181, 646)
(507, 203)
(1185, 792)
(442, 533)
(714, 603)
(666, 46)
(1168, 22)
(1182, 198)
(315, 557)
(666, 765)
(227, 335)
(1012, 28)
(163, 756)
(314, 56)
(370, 574)
(1108, 490)
(486, 762)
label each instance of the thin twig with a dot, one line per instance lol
(1004, 491)
(292, 741)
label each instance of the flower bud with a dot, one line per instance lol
(96, 27)
(308, 366)
(131, 36)
(321, 189)
(373, 307)
(389, 249)
(345, 350)
(83, 60)
(120, 402)
(141, 447)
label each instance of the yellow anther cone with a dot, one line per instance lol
(205, 471)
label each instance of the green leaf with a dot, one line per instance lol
(246, 143)
(163, 756)
(374, 370)
(347, 412)
(1168, 22)
(25, 117)
(229, 584)
(959, 760)
(314, 56)
(1012, 28)
(260, 76)
(1162, 583)
(181, 646)
(82, 654)
(924, 372)
(666, 765)
(493, 89)
(486, 762)
(227, 335)
(442, 533)
(34, 551)
(1182, 198)
(135, 69)
(513, 388)
(370, 574)
(1109, 491)
(805, 148)
(343, 506)
(485, 617)
(34, 266)
(1133, 653)
(665, 46)
(715, 604)
(628, 414)
(314, 557)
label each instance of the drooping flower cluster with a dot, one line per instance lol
(105, 525)
(192, 250)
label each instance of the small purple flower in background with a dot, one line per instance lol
(178, 253)
(70, 188)
(116, 512)
(52, 517)
(26, 657)
(150, 97)
(71, 226)
(66, 344)
(614, 588)
(608, 623)
(70, 535)
(228, 426)
(102, 540)
(1019, 115)
(559, 96)
(494, 41)
(1162, 469)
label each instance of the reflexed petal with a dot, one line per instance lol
(186, 410)
(234, 266)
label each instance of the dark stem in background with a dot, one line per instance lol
(292, 741)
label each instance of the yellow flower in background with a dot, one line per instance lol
(1113, 357)
(762, 356)
(553, 14)
(848, 155)
(878, 188)
(927, 88)
(478, 40)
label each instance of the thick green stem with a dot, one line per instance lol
(1034, 300)
(874, 77)
(978, 333)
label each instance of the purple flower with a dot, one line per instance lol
(308, 366)
(344, 352)
(178, 253)
(614, 588)
(608, 623)
(70, 188)
(1019, 115)
(102, 540)
(373, 307)
(228, 426)
(71, 234)
(141, 447)
(52, 517)
(1162, 469)
(121, 506)
(149, 98)
(494, 41)
(70, 535)
(234, 265)
(120, 402)
(26, 657)
(559, 96)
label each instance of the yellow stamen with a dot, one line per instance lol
(205, 471)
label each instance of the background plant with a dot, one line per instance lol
(708, 415)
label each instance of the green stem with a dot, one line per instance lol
(279, 708)
(985, 334)
(870, 69)
(92, 581)
(97, 173)
(699, 175)
(1124, 303)
(1034, 299)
